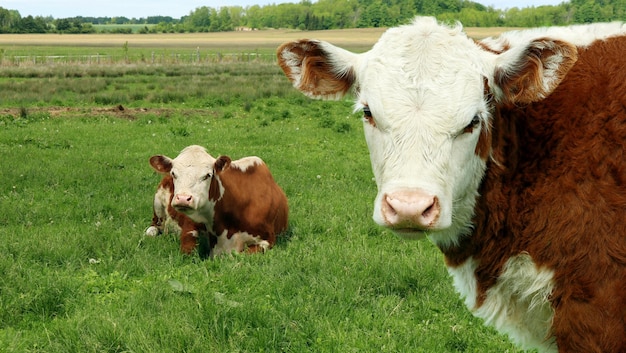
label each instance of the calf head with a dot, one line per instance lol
(192, 171)
(427, 93)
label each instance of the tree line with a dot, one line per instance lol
(331, 14)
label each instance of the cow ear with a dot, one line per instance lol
(318, 69)
(161, 164)
(222, 163)
(531, 73)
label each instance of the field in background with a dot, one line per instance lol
(76, 193)
(25, 49)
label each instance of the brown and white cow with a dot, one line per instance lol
(509, 153)
(165, 218)
(239, 203)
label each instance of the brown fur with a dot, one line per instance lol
(189, 229)
(527, 73)
(557, 190)
(252, 202)
(322, 81)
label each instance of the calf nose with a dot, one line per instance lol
(182, 201)
(411, 209)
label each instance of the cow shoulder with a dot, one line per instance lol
(248, 163)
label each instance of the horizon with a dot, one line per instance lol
(151, 8)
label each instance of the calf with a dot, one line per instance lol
(166, 217)
(509, 154)
(238, 202)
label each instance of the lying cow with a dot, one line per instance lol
(509, 153)
(166, 218)
(239, 203)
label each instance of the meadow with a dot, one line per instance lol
(79, 275)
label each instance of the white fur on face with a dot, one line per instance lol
(192, 170)
(423, 87)
(423, 83)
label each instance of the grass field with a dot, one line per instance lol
(78, 274)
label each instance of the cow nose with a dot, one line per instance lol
(410, 209)
(182, 201)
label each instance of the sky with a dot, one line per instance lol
(173, 8)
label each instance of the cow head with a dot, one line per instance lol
(192, 171)
(427, 93)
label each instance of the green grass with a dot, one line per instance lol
(189, 86)
(78, 275)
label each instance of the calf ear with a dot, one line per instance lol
(531, 73)
(161, 164)
(318, 69)
(222, 163)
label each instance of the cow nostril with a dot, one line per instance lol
(184, 197)
(432, 211)
(427, 211)
(431, 214)
(389, 212)
(182, 200)
(410, 208)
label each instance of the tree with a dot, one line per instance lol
(29, 24)
(63, 25)
(374, 15)
(253, 16)
(9, 20)
(587, 13)
(331, 14)
(199, 19)
(225, 20)
(237, 14)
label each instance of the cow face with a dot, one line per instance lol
(427, 93)
(192, 172)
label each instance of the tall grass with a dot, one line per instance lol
(78, 274)
(194, 86)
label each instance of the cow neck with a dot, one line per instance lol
(491, 242)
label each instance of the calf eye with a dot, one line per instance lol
(472, 125)
(367, 116)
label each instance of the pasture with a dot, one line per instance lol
(78, 273)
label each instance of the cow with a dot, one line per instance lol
(238, 202)
(165, 218)
(509, 154)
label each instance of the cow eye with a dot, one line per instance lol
(208, 176)
(173, 175)
(367, 116)
(472, 125)
(367, 112)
